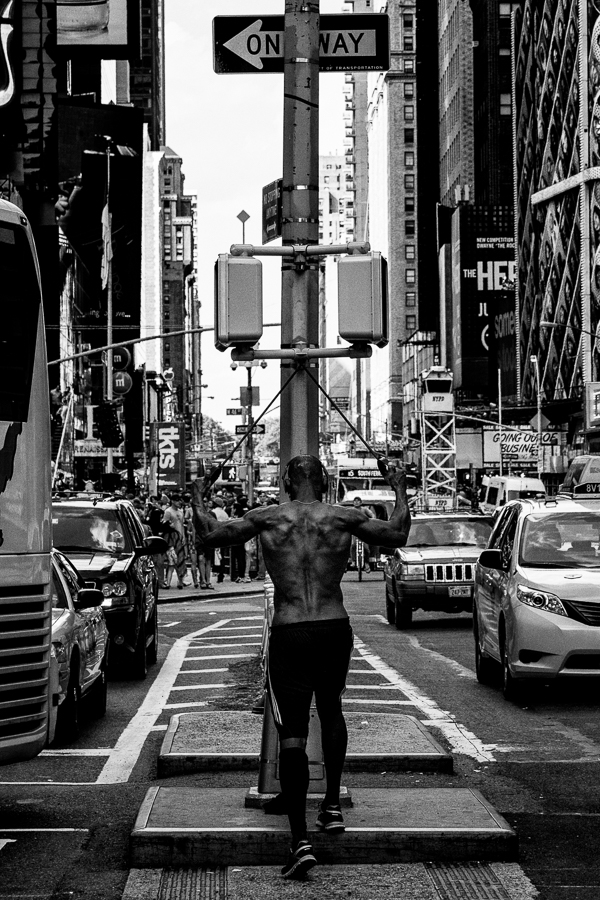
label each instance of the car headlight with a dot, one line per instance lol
(114, 589)
(416, 570)
(540, 600)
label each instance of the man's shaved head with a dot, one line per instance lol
(305, 469)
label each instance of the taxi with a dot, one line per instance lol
(536, 604)
(80, 643)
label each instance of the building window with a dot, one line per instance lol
(409, 135)
(409, 66)
(407, 21)
(409, 159)
(411, 323)
(409, 113)
(505, 105)
(408, 43)
(409, 89)
(409, 204)
(409, 227)
(411, 298)
(167, 346)
(409, 182)
(411, 276)
(409, 251)
(506, 9)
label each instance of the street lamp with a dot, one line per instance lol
(536, 366)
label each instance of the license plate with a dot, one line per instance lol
(459, 591)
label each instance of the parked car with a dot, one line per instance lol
(434, 570)
(80, 642)
(582, 476)
(537, 594)
(105, 541)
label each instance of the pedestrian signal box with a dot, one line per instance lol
(363, 299)
(238, 301)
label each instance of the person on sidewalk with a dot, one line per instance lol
(174, 535)
(305, 545)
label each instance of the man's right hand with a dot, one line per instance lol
(393, 471)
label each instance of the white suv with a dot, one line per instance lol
(536, 603)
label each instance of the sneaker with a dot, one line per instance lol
(331, 820)
(299, 861)
(246, 580)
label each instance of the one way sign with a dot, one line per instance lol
(346, 43)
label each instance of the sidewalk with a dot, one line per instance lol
(226, 590)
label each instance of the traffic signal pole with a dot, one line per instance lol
(299, 415)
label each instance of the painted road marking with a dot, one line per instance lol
(198, 687)
(5, 841)
(122, 760)
(220, 646)
(460, 739)
(185, 705)
(202, 671)
(104, 751)
(169, 624)
(222, 656)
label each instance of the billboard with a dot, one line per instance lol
(106, 29)
(483, 274)
(168, 441)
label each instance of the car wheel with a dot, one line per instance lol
(152, 654)
(511, 688)
(99, 692)
(403, 612)
(140, 661)
(67, 721)
(390, 604)
(484, 666)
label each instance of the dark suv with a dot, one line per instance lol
(105, 541)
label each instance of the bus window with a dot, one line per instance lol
(20, 311)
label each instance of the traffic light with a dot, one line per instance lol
(363, 299)
(238, 301)
(107, 421)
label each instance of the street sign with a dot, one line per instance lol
(250, 396)
(242, 429)
(234, 411)
(272, 210)
(346, 43)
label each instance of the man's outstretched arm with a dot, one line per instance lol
(394, 532)
(212, 532)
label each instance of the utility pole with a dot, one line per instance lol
(109, 303)
(300, 225)
(250, 443)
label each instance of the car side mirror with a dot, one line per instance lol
(87, 598)
(491, 559)
(152, 546)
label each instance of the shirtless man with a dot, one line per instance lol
(305, 546)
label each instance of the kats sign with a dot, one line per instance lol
(169, 441)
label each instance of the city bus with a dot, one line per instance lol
(354, 474)
(27, 689)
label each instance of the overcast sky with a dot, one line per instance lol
(228, 131)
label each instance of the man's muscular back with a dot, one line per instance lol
(305, 548)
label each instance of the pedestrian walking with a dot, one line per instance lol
(305, 545)
(174, 534)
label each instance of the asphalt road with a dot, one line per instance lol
(65, 818)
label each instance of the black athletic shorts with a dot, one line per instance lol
(306, 658)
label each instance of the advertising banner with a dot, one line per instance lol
(483, 276)
(168, 439)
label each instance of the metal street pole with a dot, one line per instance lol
(500, 416)
(109, 307)
(300, 222)
(250, 443)
(536, 366)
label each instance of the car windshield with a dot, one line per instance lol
(561, 540)
(95, 529)
(446, 532)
